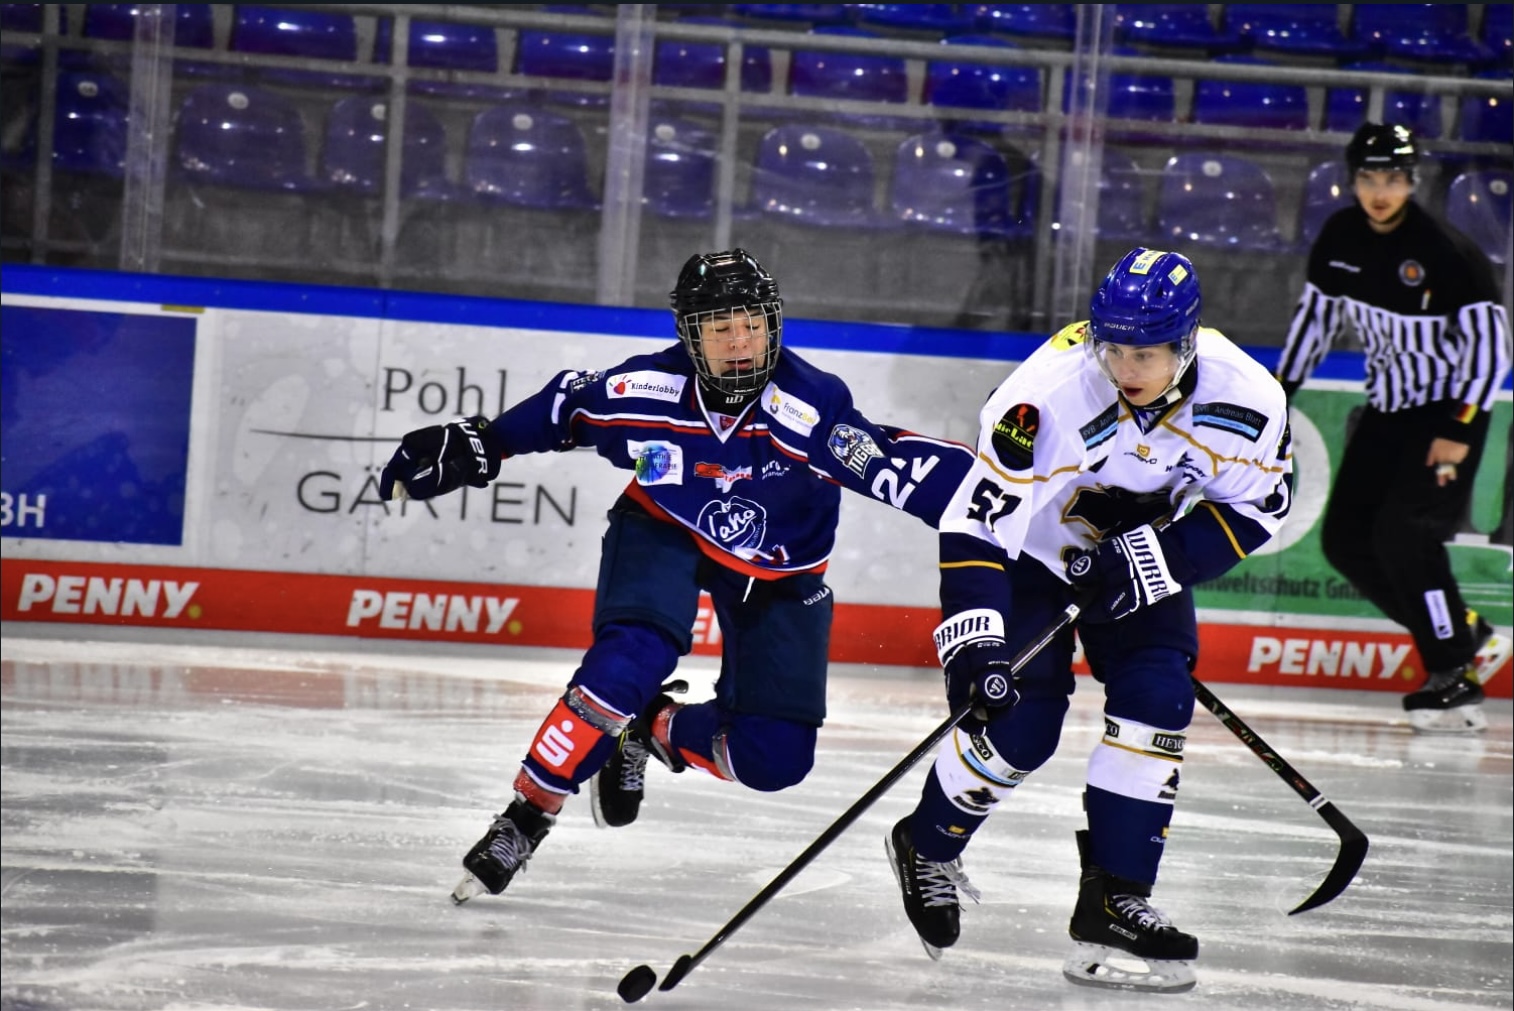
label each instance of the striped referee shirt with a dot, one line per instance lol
(1423, 300)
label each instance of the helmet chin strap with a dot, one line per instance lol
(723, 401)
(1182, 384)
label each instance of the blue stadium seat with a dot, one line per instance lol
(1184, 26)
(285, 31)
(1296, 29)
(243, 137)
(830, 74)
(1432, 32)
(1217, 200)
(1122, 200)
(281, 31)
(814, 175)
(959, 84)
(577, 56)
(1147, 97)
(1488, 118)
(442, 45)
(808, 14)
(91, 123)
(941, 19)
(679, 179)
(951, 183)
(1478, 204)
(352, 156)
(1326, 191)
(26, 18)
(682, 64)
(528, 156)
(1045, 21)
(1250, 103)
(1346, 108)
(90, 127)
(445, 45)
(194, 25)
(1497, 34)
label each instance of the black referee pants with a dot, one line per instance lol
(1387, 524)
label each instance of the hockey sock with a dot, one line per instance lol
(941, 830)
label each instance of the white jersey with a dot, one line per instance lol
(1062, 460)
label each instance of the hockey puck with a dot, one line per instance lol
(636, 984)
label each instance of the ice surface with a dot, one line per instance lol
(271, 825)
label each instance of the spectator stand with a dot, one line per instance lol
(730, 120)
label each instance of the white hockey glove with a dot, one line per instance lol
(1122, 574)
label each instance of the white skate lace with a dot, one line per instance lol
(1145, 915)
(633, 770)
(939, 883)
(510, 846)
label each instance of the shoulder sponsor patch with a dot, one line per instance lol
(1242, 421)
(789, 410)
(1101, 429)
(1014, 436)
(653, 385)
(582, 380)
(656, 462)
(1070, 336)
(854, 448)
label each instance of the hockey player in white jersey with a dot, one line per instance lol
(1130, 458)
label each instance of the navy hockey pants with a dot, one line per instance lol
(760, 728)
(1143, 662)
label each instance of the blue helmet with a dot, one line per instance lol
(1150, 297)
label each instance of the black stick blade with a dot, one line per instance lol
(678, 972)
(1348, 861)
(636, 984)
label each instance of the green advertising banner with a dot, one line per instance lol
(1291, 576)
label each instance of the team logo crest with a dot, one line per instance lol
(726, 478)
(1411, 273)
(736, 524)
(854, 447)
(657, 462)
(1014, 436)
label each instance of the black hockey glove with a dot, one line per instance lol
(442, 458)
(1122, 575)
(977, 662)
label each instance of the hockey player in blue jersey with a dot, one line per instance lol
(738, 450)
(1128, 459)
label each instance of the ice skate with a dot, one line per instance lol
(929, 891)
(616, 791)
(1450, 702)
(503, 851)
(1121, 941)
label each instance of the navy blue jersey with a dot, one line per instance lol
(760, 492)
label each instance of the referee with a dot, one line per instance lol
(1423, 299)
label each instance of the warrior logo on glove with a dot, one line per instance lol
(442, 458)
(995, 688)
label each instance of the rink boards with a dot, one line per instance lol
(198, 454)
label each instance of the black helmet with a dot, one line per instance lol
(718, 284)
(1383, 147)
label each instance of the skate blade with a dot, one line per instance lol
(1461, 720)
(467, 888)
(1097, 965)
(599, 816)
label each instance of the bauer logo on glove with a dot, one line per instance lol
(442, 458)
